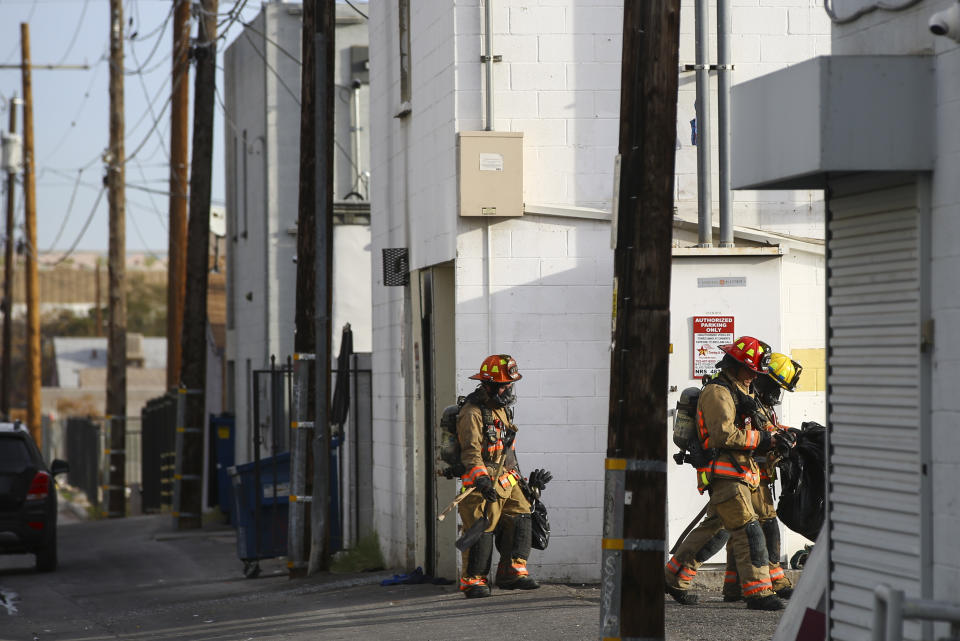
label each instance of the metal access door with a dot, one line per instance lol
(879, 529)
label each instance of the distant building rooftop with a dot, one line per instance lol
(75, 354)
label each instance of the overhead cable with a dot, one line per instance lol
(354, 7)
(83, 231)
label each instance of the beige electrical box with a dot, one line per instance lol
(491, 173)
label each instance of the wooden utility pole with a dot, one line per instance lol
(96, 295)
(325, 52)
(179, 148)
(8, 274)
(30, 231)
(634, 528)
(116, 269)
(303, 340)
(194, 355)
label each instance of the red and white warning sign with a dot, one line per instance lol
(709, 333)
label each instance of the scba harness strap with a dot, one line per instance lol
(708, 461)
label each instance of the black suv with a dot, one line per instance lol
(28, 500)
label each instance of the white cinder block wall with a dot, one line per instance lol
(903, 33)
(766, 36)
(545, 299)
(544, 294)
(413, 201)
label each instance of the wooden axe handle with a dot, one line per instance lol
(455, 502)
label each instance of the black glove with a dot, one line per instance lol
(539, 479)
(484, 485)
(784, 441)
(765, 442)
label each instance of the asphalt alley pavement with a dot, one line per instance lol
(136, 579)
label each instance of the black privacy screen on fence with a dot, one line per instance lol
(158, 442)
(83, 445)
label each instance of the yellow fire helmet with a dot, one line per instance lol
(784, 370)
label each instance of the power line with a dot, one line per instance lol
(136, 228)
(354, 7)
(83, 104)
(296, 99)
(249, 25)
(16, 46)
(66, 216)
(76, 32)
(156, 46)
(83, 231)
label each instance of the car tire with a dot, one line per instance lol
(47, 555)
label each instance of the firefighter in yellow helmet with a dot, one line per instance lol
(726, 431)
(782, 374)
(487, 433)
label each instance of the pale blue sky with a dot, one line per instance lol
(71, 114)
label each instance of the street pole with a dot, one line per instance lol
(116, 293)
(8, 273)
(179, 148)
(30, 231)
(194, 346)
(304, 343)
(634, 525)
(324, 120)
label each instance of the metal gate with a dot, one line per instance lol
(876, 408)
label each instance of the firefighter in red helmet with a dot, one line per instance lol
(487, 436)
(726, 430)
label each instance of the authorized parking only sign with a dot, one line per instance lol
(709, 333)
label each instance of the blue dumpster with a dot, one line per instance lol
(261, 533)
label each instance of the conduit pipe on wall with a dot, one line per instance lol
(488, 61)
(724, 70)
(355, 140)
(704, 201)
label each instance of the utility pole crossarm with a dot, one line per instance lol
(32, 67)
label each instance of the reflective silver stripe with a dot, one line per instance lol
(642, 465)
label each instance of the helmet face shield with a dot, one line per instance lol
(784, 370)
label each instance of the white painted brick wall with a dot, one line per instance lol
(767, 35)
(549, 303)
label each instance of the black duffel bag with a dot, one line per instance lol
(541, 525)
(803, 482)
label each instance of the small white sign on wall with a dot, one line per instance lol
(491, 162)
(729, 281)
(709, 333)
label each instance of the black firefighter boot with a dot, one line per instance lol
(683, 597)
(478, 565)
(769, 602)
(514, 542)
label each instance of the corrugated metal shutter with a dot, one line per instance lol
(874, 396)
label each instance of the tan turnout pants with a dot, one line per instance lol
(766, 511)
(473, 507)
(731, 509)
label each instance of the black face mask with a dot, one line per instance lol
(767, 391)
(507, 399)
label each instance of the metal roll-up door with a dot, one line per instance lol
(874, 308)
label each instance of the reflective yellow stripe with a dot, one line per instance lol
(615, 464)
(612, 544)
